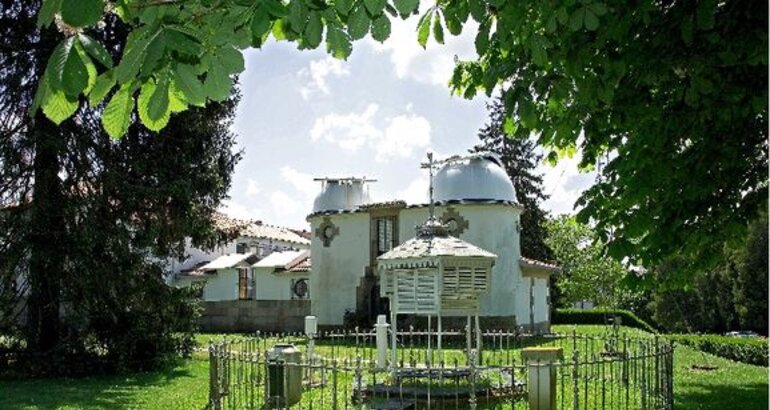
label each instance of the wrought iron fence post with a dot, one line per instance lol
(214, 400)
(575, 381)
(334, 383)
(358, 384)
(472, 399)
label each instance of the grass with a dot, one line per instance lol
(732, 385)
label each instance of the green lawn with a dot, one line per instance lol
(185, 386)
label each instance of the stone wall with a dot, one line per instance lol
(253, 315)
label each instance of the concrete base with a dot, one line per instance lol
(253, 315)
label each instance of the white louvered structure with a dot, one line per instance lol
(435, 274)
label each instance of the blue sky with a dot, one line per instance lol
(304, 115)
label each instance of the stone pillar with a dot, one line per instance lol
(382, 341)
(541, 375)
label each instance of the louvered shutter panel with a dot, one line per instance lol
(386, 283)
(480, 280)
(465, 279)
(405, 284)
(426, 291)
(451, 281)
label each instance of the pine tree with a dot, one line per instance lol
(520, 161)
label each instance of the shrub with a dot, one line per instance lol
(598, 317)
(745, 350)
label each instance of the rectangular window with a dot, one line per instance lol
(242, 248)
(243, 283)
(385, 234)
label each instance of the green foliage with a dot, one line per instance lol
(750, 350)
(626, 85)
(730, 297)
(81, 13)
(117, 113)
(586, 272)
(599, 317)
(751, 281)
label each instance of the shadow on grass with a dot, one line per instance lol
(120, 391)
(702, 396)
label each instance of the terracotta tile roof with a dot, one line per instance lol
(301, 265)
(534, 263)
(256, 229)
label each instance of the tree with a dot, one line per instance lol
(586, 272)
(752, 278)
(87, 221)
(732, 296)
(520, 161)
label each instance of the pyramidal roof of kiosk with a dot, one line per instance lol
(432, 240)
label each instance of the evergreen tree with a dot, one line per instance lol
(87, 221)
(520, 161)
(752, 279)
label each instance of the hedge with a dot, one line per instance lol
(751, 350)
(598, 317)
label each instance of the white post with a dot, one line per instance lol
(478, 337)
(382, 341)
(311, 329)
(468, 338)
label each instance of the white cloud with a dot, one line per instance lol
(252, 188)
(564, 183)
(238, 210)
(402, 135)
(283, 204)
(348, 131)
(316, 75)
(416, 192)
(301, 181)
(433, 65)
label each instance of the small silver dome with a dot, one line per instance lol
(475, 177)
(343, 194)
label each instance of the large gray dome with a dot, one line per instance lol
(344, 194)
(476, 177)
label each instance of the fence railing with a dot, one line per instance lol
(593, 372)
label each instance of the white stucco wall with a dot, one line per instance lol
(338, 268)
(491, 227)
(222, 286)
(541, 300)
(272, 286)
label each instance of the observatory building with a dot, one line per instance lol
(474, 200)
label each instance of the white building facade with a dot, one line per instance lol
(229, 271)
(475, 199)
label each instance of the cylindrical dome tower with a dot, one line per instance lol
(341, 194)
(473, 177)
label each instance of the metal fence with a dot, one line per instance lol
(338, 370)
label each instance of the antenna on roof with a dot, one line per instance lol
(430, 165)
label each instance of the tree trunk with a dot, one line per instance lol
(47, 234)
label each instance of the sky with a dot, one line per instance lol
(305, 115)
